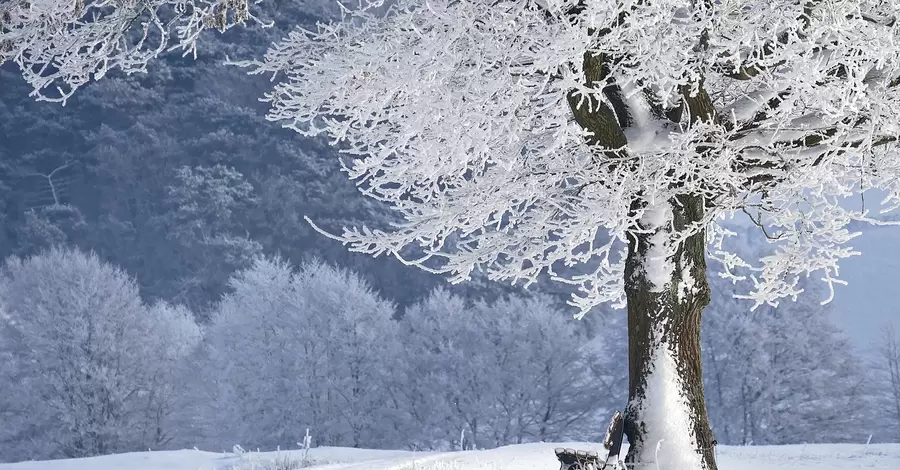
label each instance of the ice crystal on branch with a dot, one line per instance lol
(521, 136)
(63, 44)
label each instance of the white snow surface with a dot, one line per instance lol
(645, 134)
(657, 262)
(518, 457)
(669, 439)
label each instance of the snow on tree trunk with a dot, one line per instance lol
(666, 420)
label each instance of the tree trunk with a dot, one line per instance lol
(666, 420)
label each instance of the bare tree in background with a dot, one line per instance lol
(88, 369)
(887, 366)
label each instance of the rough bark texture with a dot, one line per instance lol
(675, 312)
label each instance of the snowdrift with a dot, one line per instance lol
(518, 457)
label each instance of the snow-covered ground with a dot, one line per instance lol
(519, 457)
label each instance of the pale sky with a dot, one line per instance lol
(872, 297)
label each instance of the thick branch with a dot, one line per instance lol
(699, 104)
(769, 168)
(592, 114)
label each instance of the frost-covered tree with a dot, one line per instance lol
(519, 136)
(172, 340)
(89, 367)
(782, 375)
(516, 137)
(291, 349)
(497, 373)
(548, 393)
(48, 226)
(206, 205)
(61, 45)
(887, 383)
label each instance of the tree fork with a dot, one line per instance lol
(667, 317)
(675, 312)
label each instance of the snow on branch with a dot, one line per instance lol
(529, 137)
(526, 137)
(60, 45)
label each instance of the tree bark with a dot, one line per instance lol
(666, 420)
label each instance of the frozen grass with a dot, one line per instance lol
(429, 466)
(439, 465)
(278, 461)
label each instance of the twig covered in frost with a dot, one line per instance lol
(60, 45)
(467, 117)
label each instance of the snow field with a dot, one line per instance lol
(517, 457)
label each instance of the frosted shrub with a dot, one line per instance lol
(280, 461)
(291, 348)
(90, 369)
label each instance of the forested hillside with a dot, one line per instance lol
(176, 176)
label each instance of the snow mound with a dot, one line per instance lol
(517, 457)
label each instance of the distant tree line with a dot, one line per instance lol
(88, 368)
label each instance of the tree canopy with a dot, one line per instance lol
(460, 114)
(511, 135)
